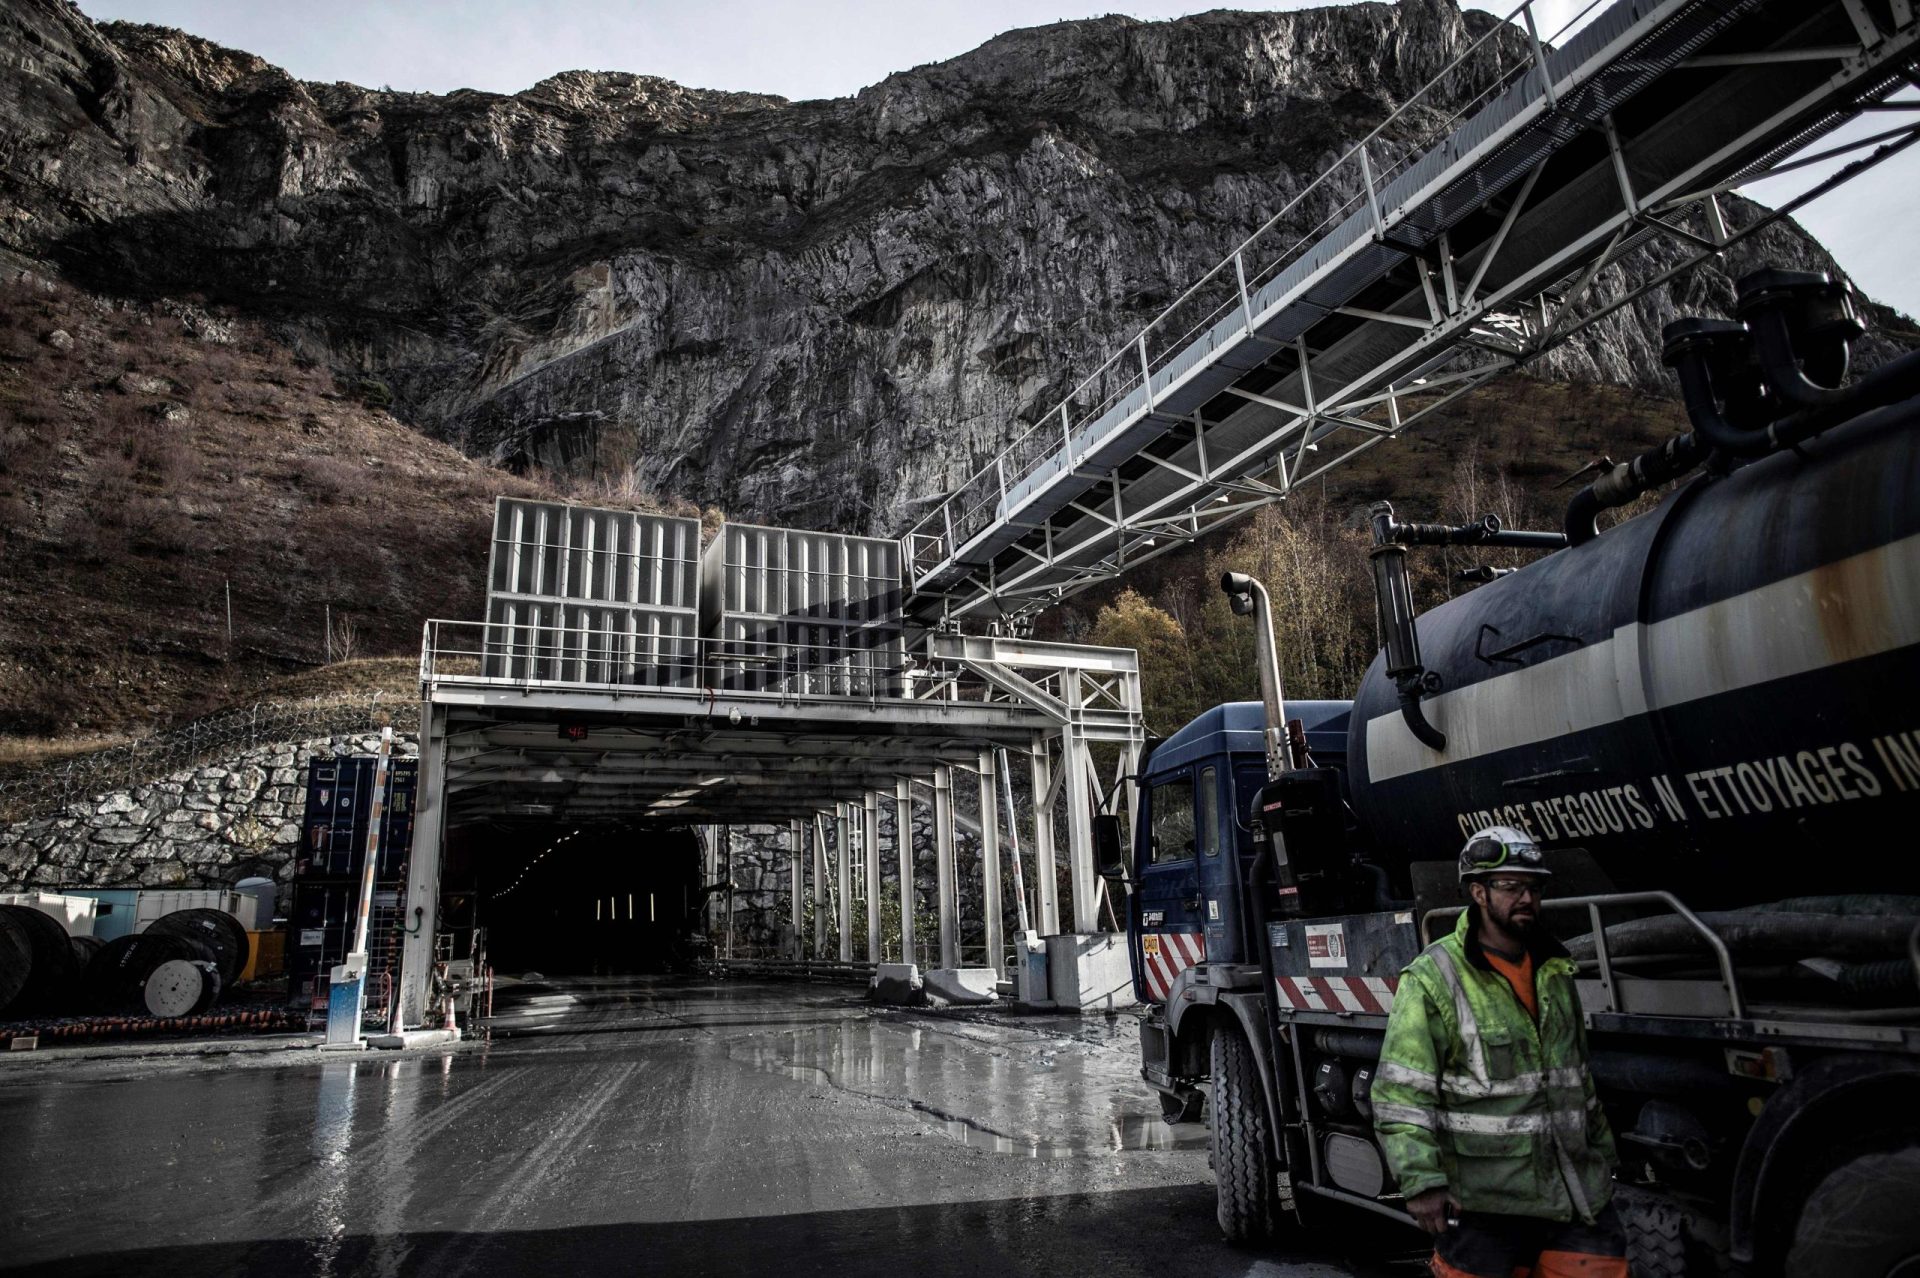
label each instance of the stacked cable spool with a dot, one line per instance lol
(176, 968)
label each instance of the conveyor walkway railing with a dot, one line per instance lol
(1465, 236)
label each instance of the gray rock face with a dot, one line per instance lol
(818, 313)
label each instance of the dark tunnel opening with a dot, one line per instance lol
(596, 900)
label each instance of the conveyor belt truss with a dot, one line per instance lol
(1425, 262)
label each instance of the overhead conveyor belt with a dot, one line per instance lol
(1408, 274)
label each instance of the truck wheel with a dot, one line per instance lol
(1656, 1233)
(1240, 1138)
(1860, 1221)
(1182, 1108)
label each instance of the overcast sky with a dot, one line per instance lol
(823, 48)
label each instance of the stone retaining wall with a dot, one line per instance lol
(200, 827)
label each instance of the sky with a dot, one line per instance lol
(832, 48)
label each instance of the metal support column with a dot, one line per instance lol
(710, 905)
(870, 844)
(798, 945)
(819, 887)
(990, 867)
(1044, 869)
(845, 879)
(943, 867)
(1076, 766)
(903, 849)
(423, 869)
(1126, 782)
(726, 868)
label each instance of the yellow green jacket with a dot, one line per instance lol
(1473, 1095)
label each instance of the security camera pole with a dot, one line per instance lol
(347, 990)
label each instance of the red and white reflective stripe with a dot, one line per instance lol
(1370, 994)
(1164, 955)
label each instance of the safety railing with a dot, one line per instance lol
(798, 969)
(877, 668)
(1221, 306)
(1603, 955)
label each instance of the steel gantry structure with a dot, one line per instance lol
(1466, 236)
(571, 752)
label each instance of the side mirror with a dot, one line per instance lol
(1109, 853)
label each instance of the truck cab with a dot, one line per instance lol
(1192, 865)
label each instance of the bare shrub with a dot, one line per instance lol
(16, 516)
(330, 480)
(157, 525)
(343, 640)
(16, 446)
(112, 474)
(169, 460)
(20, 347)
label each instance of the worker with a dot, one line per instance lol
(1484, 1102)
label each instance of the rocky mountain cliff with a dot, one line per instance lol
(819, 313)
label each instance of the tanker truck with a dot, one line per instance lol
(1708, 715)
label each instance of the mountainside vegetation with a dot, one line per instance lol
(188, 509)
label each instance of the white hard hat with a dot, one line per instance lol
(1501, 848)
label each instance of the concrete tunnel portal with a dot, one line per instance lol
(599, 899)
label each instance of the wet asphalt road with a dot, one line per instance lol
(622, 1126)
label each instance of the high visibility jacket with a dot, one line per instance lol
(1473, 1094)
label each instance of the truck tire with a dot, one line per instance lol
(1239, 1140)
(1656, 1233)
(1860, 1221)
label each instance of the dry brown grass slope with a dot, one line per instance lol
(154, 458)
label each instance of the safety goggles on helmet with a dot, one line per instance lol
(1501, 849)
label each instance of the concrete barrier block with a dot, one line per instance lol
(963, 984)
(1090, 973)
(897, 983)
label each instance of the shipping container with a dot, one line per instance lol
(113, 910)
(558, 552)
(591, 644)
(155, 904)
(71, 910)
(320, 925)
(808, 613)
(333, 835)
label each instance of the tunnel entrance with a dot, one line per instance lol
(597, 900)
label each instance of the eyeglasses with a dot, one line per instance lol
(1515, 887)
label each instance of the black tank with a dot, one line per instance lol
(1720, 697)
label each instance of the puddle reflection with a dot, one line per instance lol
(937, 1076)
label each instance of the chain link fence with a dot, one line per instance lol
(29, 790)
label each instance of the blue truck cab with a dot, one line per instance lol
(1193, 855)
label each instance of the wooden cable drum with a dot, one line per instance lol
(181, 987)
(116, 979)
(53, 969)
(16, 960)
(219, 931)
